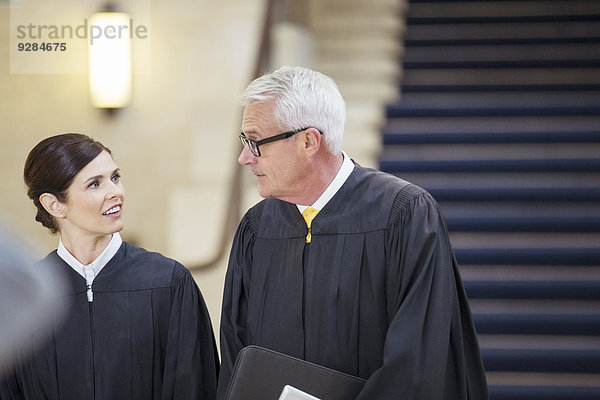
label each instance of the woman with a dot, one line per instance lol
(137, 327)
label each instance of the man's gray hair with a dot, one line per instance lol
(303, 98)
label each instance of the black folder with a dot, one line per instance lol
(261, 374)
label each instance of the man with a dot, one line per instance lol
(370, 286)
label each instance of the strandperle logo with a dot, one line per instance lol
(83, 31)
(58, 36)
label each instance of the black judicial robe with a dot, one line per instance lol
(147, 335)
(376, 294)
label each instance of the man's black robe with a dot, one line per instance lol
(376, 294)
(147, 335)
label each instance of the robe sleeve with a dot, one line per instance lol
(9, 387)
(234, 308)
(191, 360)
(430, 350)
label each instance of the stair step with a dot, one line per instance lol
(498, 88)
(538, 324)
(486, 165)
(530, 392)
(546, 380)
(482, 272)
(495, 151)
(468, 209)
(529, 256)
(489, 55)
(523, 244)
(524, 223)
(545, 360)
(550, 194)
(508, 30)
(534, 189)
(494, 217)
(477, 10)
(497, 99)
(399, 111)
(442, 41)
(501, 76)
(333, 27)
(323, 9)
(414, 19)
(392, 138)
(539, 342)
(494, 124)
(517, 289)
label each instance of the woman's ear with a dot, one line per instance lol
(52, 205)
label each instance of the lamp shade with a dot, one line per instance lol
(110, 59)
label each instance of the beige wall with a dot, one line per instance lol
(176, 143)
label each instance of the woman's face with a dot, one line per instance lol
(94, 200)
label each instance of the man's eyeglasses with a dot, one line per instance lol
(253, 145)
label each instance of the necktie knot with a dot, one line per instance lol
(309, 214)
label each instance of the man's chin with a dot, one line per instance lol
(263, 191)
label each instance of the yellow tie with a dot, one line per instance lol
(309, 214)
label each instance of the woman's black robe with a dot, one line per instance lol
(146, 335)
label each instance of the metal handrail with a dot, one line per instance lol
(233, 209)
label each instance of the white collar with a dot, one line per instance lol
(335, 185)
(90, 271)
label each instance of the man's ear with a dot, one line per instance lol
(313, 140)
(52, 205)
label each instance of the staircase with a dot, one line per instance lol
(356, 43)
(499, 118)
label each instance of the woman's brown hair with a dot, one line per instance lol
(51, 166)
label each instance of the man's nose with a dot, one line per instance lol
(246, 157)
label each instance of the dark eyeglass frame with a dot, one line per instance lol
(253, 145)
